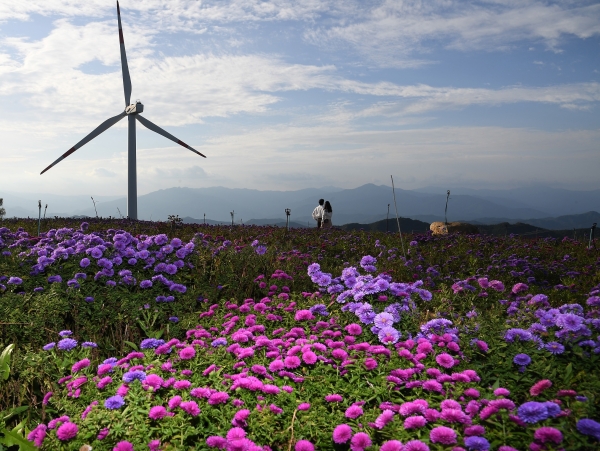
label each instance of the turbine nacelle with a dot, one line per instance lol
(135, 108)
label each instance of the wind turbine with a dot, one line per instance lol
(132, 110)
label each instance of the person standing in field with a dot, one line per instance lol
(326, 216)
(318, 213)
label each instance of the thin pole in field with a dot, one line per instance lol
(39, 215)
(397, 220)
(387, 220)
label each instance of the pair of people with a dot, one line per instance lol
(322, 214)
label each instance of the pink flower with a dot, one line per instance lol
(370, 364)
(174, 402)
(304, 445)
(443, 435)
(157, 412)
(104, 368)
(386, 417)
(360, 441)
(37, 435)
(276, 365)
(67, 431)
(190, 407)
(391, 445)
(445, 360)
(353, 329)
(334, 398)
(548, 434)
(539, 387)
(342, 433)
(218, 398)
(303, 315)
(472, 393)
(240, 417)
(80, 365)
(235, 434)
(474, 430)
(214, 441)
(102, 434)
(431, 385)
(291, 362)
(415, 445)
(424, 347)
(187, 353)
(309, 357)
(182, 385)
(304, 406)
(353, 412)
(275, 409)
(201, 392)
(123, 446)
(415, 422)
(152, 380)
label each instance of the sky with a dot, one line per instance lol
(291, 94)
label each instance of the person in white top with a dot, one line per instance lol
(318, 213)
(326, 216)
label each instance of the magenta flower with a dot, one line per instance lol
(123, 446)
(415, 445)
(445, 360)
(353, 329)
(303, 315)
(353, 412)
(218, 398)
(214, 441)
(190, 407)
(443, 435)
(78, 366)
(334, 398)
(415, 422)
(539, 387)
(67, 431)
(370, 364)
(304, 445)
(548, 434)
(157, 412)
(187, 353)
(391, 445)
(291, 362)
(309, 357)
(382, 420)
(360, 441)
(342, 433)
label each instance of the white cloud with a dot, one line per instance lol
(391, 31)
(101, 172)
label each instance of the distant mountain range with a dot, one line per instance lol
(542, 207)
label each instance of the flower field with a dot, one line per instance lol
(158, 336)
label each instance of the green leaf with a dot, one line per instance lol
(568, 372)
(5, 361)
(131, 345)
(12, 438)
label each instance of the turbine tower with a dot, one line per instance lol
(132, 110)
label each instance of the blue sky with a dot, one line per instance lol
(288, 94)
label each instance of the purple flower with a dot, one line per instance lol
(555, 347)
(368, 263)
(522, 360)
(388, 335)
(15, 281)
(587, 426)
(49, 346)
(145, 284)
(114, 402)
(260, 250)
(66, 344)
(475, 443)
(532, 412)
(131, 376)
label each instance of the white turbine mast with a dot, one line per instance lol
(132, 110)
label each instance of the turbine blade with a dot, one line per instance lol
(101, 128)
(156, 129)
(124, 67)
